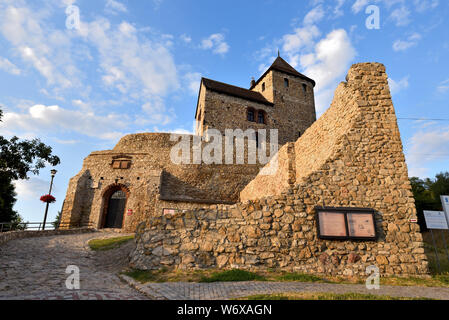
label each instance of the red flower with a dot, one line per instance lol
(48, 198)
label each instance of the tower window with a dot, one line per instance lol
(304, 87)
(299, 134)
(263, 87)
(251, 115)
(286, 84)
(261, 117)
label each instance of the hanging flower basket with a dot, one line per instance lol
(48, 198)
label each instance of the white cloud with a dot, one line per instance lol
(192, 82)
(46, 49)
(443, 86)
(135, 64)
(359, 5)
(156, 113)
(132, 64)
(113, 6)
(324, 59)
(424, 5)
(32, 189)
(426, 147)
(40, 119)
(402, 45)
(401, 16)
(301, 38)
(338, 12)
(314, 16)
(216, 43)
(328, 64)
(9, 67)
(185, 38)
(396, 86)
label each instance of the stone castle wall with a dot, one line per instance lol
(352, 156)
(153, 182)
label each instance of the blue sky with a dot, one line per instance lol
(135, 65)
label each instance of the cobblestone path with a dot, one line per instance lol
(36, 269)
(232, 290)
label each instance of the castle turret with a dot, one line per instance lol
(281, 99)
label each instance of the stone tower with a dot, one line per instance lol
(282, 98)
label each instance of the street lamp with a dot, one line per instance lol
(53, 173)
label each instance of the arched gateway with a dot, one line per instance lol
(114, 207)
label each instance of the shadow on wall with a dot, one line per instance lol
(83, 201)
(174, 188)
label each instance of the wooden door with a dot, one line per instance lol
(116, 210)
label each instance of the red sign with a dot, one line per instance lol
(130, 212)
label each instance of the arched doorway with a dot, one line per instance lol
(115, 209)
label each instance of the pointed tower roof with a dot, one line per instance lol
(281, 65)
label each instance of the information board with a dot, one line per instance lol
(445, 203)
(332, 224)
(435, 220)
(345, 223)
(361, 225)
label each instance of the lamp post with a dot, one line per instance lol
(53, 173)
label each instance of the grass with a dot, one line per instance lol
(167, 275)
(232, 275)
(300, 277)
(439, 237)
(143, 276)
(325, 296)
(108, 244)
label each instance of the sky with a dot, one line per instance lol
(134, 66)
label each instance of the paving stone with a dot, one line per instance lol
(35, 269)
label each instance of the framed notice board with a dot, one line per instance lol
(345, 223)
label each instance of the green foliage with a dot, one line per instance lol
(232, 275)
(326, 296)
(57, 220)
(427, 194)
(108, 244)
(301, 277)
(144, 276)
(17, 159)
(7, 200)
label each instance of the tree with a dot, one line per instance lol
(57, 220)
(427, 194)
(17, 159)
(7, 200)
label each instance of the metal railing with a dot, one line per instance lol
(33, 226)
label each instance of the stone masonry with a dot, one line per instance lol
(351, 157)
(140, 165)
(285, 97)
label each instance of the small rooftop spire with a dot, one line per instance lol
(279, 54)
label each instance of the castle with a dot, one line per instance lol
(340, 200)
(138, 173)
